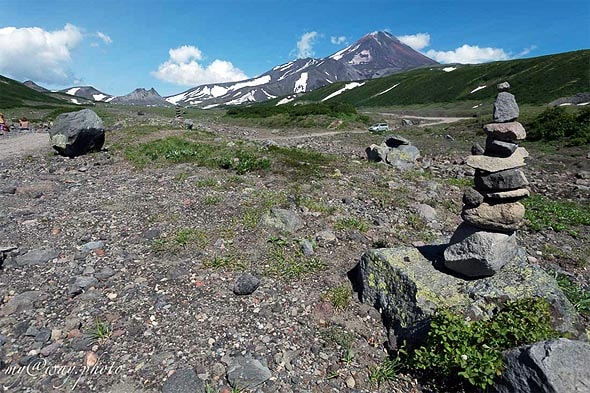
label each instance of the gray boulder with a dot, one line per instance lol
(247, 373)
(403, 157)
(183, 381)
(505, 108)
(555, 366)
(409, 284)
(77, 133)
(473, 252)
(377, 153)
(23, 302)
(396, 141)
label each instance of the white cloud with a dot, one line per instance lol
(468, 54)
(416, 41)
(37, 54)
(305, 45)
(338, 40)
(105, 38)
(526, 51)
(183, 68)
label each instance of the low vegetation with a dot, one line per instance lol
(543, 213)
(461, 352)
(558, 124)
(579, 297)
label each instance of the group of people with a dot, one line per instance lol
(23, 124)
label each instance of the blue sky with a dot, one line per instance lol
(172, 45)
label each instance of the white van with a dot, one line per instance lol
(379, 127)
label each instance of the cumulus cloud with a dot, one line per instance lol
(184, 68)
(338, 40)
(468, 54)
(416, 41)
(105, 38)
(37, 54)
(305, 45)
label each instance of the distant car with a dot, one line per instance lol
(379, 127)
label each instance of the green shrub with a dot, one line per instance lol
(472, 351)
(557, 123)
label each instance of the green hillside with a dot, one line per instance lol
(538, 80)
(14, 94)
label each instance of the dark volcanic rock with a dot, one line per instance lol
(77, 133)
(183, 381)
(495, 147)
(246, 284)
(504, 180)
(247, 373)
(472, 198)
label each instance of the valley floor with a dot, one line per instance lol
(140, 263)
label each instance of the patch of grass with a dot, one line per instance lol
(183, 238)
(580, 298)
(301, 163)
(543, 213)
(212, 200)
(388, 370)
(315, 205)
(101, 331)
(351, 223)
(208, 182)
(287, 262)
(461, 182)
(339, 296)
(181, 177)
(243, 162)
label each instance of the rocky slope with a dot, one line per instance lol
(130, 272)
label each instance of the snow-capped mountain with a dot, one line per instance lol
(375, 55)
(89, 93)
(141, 97)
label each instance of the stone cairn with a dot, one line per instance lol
(486, 239)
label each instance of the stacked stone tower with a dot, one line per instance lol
(492, 213)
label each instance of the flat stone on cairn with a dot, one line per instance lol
(491, 213)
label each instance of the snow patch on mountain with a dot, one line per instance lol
(478, 88)
(449, 69)
(99, 97)
(73, 91)
(347, 86)
(386, 90)
(301, 83)
(286, 100)
(250, 83)
(362, 57)
(75, 101)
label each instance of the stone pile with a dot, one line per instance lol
(486, 241)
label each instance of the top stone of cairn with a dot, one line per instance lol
(504, 86)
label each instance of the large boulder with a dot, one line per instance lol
(77, 133)
(409, 284)
(555, 366)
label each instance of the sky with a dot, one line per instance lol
(173, 45)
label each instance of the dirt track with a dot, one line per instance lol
(19, 145)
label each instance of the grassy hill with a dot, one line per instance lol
(15, 94)
(538, 80)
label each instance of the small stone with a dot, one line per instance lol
(50, 349)
(504, 86)
(90, 359)
(512, 194)
(82, 343)
(183, 381)
(43, 335)
(36, 257)
(350, 382)
(498, 148)
(246, 284)
(306, 247)
(472, 198)
(509, 132)
(505, 108)
(85, 282)
(90, 246)
(247, 373)
(325, 237)
(105, 273)
(496, 164)
(498, 217)
(476, 149)
(510, 179)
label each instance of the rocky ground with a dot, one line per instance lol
(122, 279)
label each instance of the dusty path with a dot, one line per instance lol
(309, 135)
(19, 145)
(430, 121)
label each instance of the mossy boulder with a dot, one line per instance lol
(409, 284)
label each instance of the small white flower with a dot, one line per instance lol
(464, 357)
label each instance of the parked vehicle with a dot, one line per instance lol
(379, 127)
